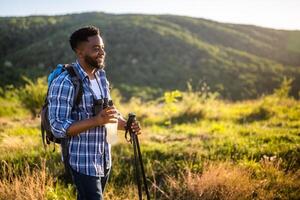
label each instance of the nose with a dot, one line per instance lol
(101, 52)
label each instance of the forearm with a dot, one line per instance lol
(81, 126)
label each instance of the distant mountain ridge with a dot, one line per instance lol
(157, 52)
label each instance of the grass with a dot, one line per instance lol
(33, 184)
(229, 181)
(211, 149)
(12, 108)
(218, 181)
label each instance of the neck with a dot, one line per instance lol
(88, 69)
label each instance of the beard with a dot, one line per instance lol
(93, 62)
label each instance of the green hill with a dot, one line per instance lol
(157, 52)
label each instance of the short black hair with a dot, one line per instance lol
(82, 34)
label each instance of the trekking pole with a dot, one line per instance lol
(142, 166)
(137, 156)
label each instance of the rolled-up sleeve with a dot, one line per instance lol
(60, 99)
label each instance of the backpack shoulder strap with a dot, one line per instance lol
(75, 78)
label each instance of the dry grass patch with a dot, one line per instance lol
(220, 181)
(29, 186)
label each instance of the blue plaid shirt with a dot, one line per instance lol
(86, 149)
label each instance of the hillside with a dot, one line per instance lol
(157, 52)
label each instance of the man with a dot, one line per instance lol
(89, 152)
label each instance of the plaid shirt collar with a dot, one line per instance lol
(83, 75)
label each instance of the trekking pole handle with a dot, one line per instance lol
(130, 120)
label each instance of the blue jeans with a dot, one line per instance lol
(89, 187)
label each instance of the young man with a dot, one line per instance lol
(89, 152)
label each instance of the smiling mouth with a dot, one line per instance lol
(100, 59)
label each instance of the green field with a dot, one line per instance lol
(194, 145)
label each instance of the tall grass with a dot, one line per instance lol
(218, 181)
(36, 184)
(30, 185)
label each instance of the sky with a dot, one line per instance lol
(278, 14)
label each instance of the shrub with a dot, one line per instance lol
(32, 95)
(261, 112)
(284, 89)
(191, 108)
(10, 103)
(170, 107)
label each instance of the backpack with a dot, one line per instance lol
(45, 123)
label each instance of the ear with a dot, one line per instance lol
(79, 53)
(80, 50)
